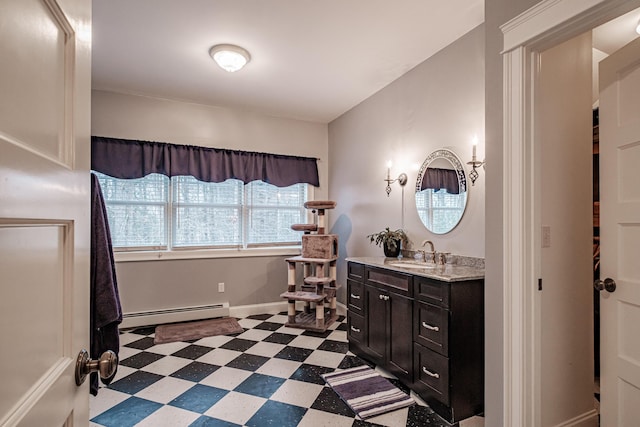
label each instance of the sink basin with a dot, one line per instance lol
(416, 265)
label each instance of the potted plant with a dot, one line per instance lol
(390, 240)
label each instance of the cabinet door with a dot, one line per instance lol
(400, 341)
(376, 319)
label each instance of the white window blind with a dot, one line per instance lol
(439, 210)
(156, 212)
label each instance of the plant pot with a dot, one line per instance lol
(392, 253)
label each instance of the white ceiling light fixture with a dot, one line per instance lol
(230, 57)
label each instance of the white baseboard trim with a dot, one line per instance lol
(588, 419)
(172, 315)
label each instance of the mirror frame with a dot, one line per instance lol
(444, 153)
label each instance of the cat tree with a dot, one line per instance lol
(318, 259)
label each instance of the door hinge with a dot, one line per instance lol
(540, 284)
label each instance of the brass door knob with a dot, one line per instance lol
(607, 284)
(105, 366)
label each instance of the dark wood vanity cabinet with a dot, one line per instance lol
(381, 303)
(429, 333)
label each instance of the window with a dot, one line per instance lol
(439, 210)
(161, 213)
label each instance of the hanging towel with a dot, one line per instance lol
(105, 309)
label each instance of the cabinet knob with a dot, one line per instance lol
(384, 297)
(431, 374)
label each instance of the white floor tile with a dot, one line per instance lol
(297, 393)
(122, 372)
(168, 348)
(126, 352)
(472, 422)
(338, 336)
(236, 407)
(278, 318)
(105, 399)
(219, 356)
(169, 416)
(226, 378)
(165, 390)
(328, 359)
(167, 365)
(290, 331)
(249, 323)
(215, 341)
(255, 334)
(267, 349)
(279, 368)
(391, 419)
(315, 418)
(304, 341)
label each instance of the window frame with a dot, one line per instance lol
(244, 249)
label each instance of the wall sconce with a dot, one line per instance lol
(475, 163)
(402, 179)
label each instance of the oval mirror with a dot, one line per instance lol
(441, 191)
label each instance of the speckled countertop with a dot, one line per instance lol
(446, 273)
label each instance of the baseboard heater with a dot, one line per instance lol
(172, 315)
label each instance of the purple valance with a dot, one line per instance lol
(437, 179)
(127, 159)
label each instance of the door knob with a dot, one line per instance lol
(105, 366)
(607, 284)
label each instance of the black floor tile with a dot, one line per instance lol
(268, 326)
(259, 316)
(329, 401)
(127, 413)
(342, 327)
(192, 351)
(195, 371)
(296, 354)
(279, 338)
(205, 421)
(147, 330)
(238, 344)
(351, 362)
(248, 362)
(141, 344)
(420, 416)
(135, 382)
(199, 398)
(260, 385)
(334, 346)
(318, 334)
(277, 414)
(141, 360)
(310, 373)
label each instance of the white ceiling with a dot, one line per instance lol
(311, 59)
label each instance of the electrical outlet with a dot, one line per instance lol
(221, 287)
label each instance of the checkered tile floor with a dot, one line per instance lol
(269, 375)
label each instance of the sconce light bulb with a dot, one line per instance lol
(389, 164)
(638, 28)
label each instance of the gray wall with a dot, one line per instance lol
(439, 103)
(162, 284)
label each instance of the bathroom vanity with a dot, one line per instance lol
(423, 324)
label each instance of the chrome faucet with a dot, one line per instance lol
(433, 251)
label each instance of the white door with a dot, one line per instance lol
(620, 236)
(45, 94)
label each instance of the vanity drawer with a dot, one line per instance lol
(396, 282)
(431, 327)
(432, 291)
(355, 295)
(355, 271)
(356, 330)
(431, 374)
